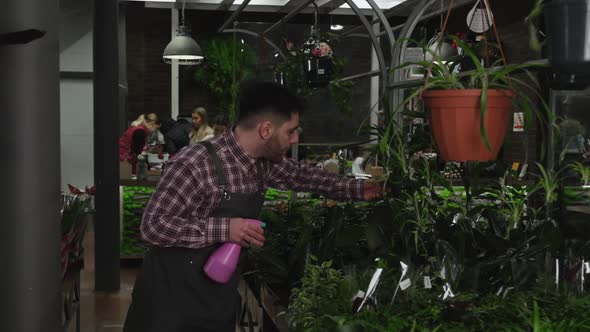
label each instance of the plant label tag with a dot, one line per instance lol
(448, 292)
(405, 284)
(321, 71)
(372, 286)
(427, 283)
(518, 123)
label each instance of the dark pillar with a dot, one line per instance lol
(106, 157)
(30, 166)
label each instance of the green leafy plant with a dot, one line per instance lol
(340, 92)
(320, 287)
(227, 63)
(583, 171)
(446, 75)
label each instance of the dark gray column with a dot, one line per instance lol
(30, 293)
(106, 157)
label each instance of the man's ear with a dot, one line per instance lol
(265, 129)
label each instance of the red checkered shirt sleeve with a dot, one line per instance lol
(172, 217)
(292, 175)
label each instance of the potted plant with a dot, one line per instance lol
(470, 110)
(313, 65)
(228, 62)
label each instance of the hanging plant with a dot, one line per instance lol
(314, 65)
(227, 63)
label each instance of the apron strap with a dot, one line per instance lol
(221, 179)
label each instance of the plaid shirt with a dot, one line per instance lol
(178, 214)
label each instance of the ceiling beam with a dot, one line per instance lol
(225, 5)
(290, 5)
(329, 6)
(233, 16)
(288, 16)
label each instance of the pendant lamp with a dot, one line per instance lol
(183, 47)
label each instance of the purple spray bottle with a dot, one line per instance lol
(222, 263)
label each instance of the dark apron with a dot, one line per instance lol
(172, 293)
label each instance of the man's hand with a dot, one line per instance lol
(372, 191)
(245, 233)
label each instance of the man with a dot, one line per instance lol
(203, 199)
(175, 134)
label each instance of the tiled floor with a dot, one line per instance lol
(102, 312)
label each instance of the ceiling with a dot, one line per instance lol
(334, 7)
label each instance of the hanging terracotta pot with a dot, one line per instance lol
(455, 121)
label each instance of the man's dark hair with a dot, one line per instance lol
(268, 98)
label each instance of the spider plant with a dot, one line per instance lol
(447, 75)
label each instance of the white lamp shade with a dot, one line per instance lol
(184, 49)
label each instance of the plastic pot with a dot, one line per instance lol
(568, 36)
(455, 121)
(318, 71)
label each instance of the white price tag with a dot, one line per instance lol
(518, 123)
(405, 284)
(427, 283)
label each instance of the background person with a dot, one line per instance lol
(201, 130)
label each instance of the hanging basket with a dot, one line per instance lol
(567, 25)
(455, 121)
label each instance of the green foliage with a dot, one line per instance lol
(341, 95)
(317, 296)
(583, 172)
(445, 75)
(425, 311)
(135, 200)
(227, 63)
(340, 92)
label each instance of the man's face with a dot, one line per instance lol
(280, 142)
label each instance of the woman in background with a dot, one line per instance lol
(201, 130)
(134, 139)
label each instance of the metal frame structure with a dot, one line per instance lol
(397, 50)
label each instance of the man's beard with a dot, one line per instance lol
(272, 151)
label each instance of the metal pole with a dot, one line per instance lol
(399, 50)
(430, 15)
(374, 96)
(30, 191)
(391, 12)
(288, 16)
(375, 41)
(257, 35)
(106, 156)
(235, 14)
(174, 70)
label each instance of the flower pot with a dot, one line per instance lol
(568, 37)
(455, 122)
(318, 71)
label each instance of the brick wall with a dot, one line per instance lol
(148, 32)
